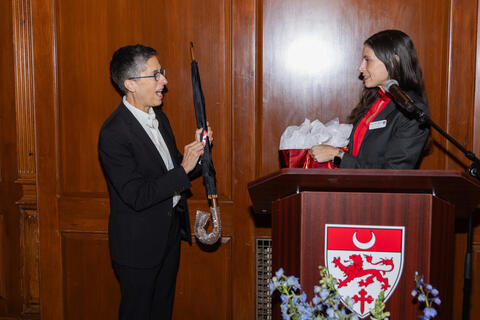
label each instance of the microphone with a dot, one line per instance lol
(391, 86)
(404, 101)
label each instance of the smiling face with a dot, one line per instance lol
(144, 93)
(374, 72)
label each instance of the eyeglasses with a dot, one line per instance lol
(156, 75)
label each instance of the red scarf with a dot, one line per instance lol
(363, 125)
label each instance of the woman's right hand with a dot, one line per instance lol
(192, 152)
(323, 153)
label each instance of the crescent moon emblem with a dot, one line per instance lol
(363, 245)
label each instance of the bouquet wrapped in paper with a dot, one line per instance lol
(296, 141)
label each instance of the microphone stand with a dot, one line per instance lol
(474, 171)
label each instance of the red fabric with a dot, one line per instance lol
(363, 125)
(301, 158)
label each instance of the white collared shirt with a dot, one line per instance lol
(150, 125)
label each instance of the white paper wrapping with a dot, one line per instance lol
(310, 134)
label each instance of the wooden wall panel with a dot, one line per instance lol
(23, 37)
(10, 296)
(3, 255)
(29, 253)
(209, 275)
(91, 288)
(476, 114)
(26, 167)
(460, 111)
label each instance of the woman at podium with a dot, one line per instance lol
(384, 135)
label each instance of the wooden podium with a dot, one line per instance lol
(426, 203)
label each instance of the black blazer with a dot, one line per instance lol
(141, 189)
(397, 145)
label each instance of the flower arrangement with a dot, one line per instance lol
(326, 302)
(427, 295)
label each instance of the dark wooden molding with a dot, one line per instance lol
(26, 165)
(24, 89)
(29, 253)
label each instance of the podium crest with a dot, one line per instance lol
(365, 260)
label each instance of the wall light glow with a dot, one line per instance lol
(312, 55)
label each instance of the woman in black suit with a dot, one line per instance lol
(148, 181)
(384, 136)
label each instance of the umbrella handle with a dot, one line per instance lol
(201, 221)
(213, 197)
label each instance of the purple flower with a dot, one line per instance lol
(429, 312)
(271, 286)
(316, 300)
(426, 294)
(330, 312)
(293, 281)
(303, 297)
(324, 294)
(279, 273)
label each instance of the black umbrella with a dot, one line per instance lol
(208, 170)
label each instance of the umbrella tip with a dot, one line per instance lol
(191, 51)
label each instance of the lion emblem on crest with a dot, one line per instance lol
(356, 270)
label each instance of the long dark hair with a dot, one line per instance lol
(396, 50)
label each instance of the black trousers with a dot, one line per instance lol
(147, 293)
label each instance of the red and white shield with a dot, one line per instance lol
(365, 260)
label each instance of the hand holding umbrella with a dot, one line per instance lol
(208, 171)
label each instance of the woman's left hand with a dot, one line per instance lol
(323, 153)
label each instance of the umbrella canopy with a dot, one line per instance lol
(208, 170)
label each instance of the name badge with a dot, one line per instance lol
(377, 124)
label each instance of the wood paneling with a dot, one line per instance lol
(29, 253)
(91, 289)
(209, 275)
(3, 254)
(476, 114)
(10, 301)
(461, 80)
(46, 108)
(22, 27)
